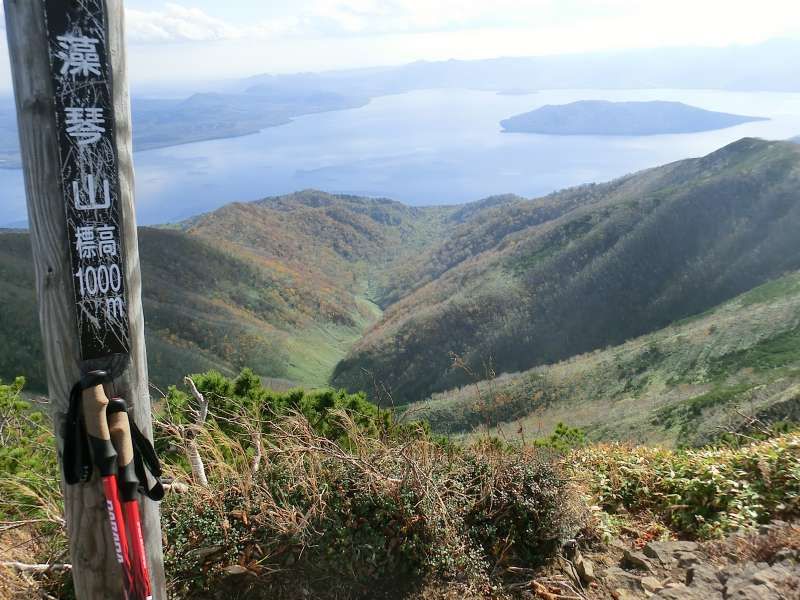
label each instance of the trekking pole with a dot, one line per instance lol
(94, 403)
(120, 429)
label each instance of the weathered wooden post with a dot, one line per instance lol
(73, 109)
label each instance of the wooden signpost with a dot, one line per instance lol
(73, 109)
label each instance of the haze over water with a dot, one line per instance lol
(423, 147)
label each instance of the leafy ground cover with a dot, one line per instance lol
(347, 501)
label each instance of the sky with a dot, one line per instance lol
(206, 40)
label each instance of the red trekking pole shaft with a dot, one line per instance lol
(119, 427)
(94, 403)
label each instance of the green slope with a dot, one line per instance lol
(534, 282)
(204, 308)
(284, 286)
(683, 384)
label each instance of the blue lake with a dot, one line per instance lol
(424, 147)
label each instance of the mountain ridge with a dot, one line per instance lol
(635, 253)
(321, 288)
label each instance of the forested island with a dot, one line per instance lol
(601, 117)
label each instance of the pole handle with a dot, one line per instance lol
(94, 403)
(120, 430)
(119, 426)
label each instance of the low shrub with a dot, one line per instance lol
(699, 493)
(29, 486)
(563, 439)
(372, 519)
(245, 397)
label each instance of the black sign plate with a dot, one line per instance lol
(77, 34)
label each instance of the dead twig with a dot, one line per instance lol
(35, 568)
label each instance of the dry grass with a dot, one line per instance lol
(758, 546)
(406, 513)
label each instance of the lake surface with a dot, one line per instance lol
(423, 147)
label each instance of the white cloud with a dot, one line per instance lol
(177, 23)
(321, 18)
(175, 39)
(731, 21)
(394, 16)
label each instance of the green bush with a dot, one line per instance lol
(700, 493)
(247, 395)
(28, 470)
(563, 439)
(518, 514)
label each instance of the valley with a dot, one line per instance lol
(508, 313)
(535, 282)
(284, 286)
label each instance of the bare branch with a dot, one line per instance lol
(192, 451)
(201, 401)
(256, 464)
(35, 568)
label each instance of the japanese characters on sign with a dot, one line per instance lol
(77, 34)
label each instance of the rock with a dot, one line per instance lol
(786, 554)
(617, 579)
(651, 584)
(667, 552)
(686, 559)
(754, 592)
(585, 569)
(236, 570)
(762, 577)
(703, 576)
(636, 560)
(756, 582)
(681, 592)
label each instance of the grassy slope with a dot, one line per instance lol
(283, 286)
(343, 244)
(204, 308)
(335, 249)
(677, 385)
(534, 282)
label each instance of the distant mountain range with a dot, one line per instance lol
(246, 106)
(600, 117)
(404, 302)
(766, 66)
